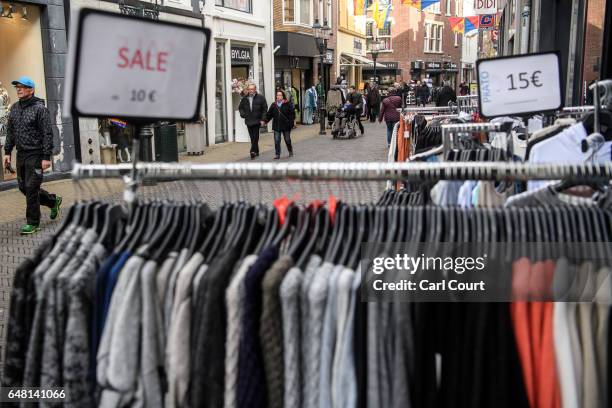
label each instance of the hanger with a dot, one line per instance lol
(138, 232)
(332, 248)
(269, 229)
(213, 231)
(164, 248)
(291, 219)
(132, 227)
(256, 229)
(113, 217)
(349, 235)
(605, 119)
(226, 219)
(301, 234)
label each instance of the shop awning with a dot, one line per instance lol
(354, 60)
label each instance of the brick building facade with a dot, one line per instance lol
(297, 57)
(419, 44)
(593, 41)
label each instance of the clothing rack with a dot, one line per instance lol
(428, 110)
(467, 103)
(448, 131)
(378, 171)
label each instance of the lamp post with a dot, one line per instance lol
(374, 51)
(321, 33)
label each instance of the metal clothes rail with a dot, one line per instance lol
(449, 131)
(372, 171)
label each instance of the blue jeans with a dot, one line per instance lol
(390, 126)
(277, 141)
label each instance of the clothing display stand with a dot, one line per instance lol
(450, 131)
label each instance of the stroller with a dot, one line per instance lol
(345, 122)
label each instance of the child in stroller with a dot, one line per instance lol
(345, 122)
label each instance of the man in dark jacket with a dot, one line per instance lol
(29, 129)
(253, 108)
(422, 94)
(374, 102)
(446, 95)
(389, 112)
(356, 99)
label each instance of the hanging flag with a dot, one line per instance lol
(471, 24)
(359, 7)
(420, 4)
(486, 22)
(381, 16)
(457, 24)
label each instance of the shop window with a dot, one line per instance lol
(241, 5)
(433, 37)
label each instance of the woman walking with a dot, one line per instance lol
(389, 112)
(282, 115)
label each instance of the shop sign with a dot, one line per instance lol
(295, 62)
(485, 7)
(486, 22)
(433, 65)
(519, 85)
(357, 46)
(328, 58)
(140, 71)
(450, 65)
(391, 65)
(241, 54)
(416, 65)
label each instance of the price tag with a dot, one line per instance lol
(519, 85)
(134, 68)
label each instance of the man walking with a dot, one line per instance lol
(253, 108)
(446, 95)
(356, 99)
(29, 129)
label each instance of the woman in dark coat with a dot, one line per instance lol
(282, 115)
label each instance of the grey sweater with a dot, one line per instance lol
(76, 370)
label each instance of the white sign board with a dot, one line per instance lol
(135, 68)
(485, 7)
(519, 84)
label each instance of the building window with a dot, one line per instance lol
(433, 37)
(382, 34)
(434, 8)
(456, 39)
(241, 5)
(289, 11)
(297, 12)
(456, 7)
(448, 7)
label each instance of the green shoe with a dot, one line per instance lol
(55, 211)
(29, 229)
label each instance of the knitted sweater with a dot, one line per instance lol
(234, 299)
(251, 386)
(271, 330)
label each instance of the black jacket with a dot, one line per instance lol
(446, 95)
(422, 92)
(257, 114)
(282, 118)
(29, 128)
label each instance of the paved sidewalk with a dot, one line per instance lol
(308, 147)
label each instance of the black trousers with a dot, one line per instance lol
(30, 177)
(254, 135)
(358, 117)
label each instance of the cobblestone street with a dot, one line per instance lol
(308, 147)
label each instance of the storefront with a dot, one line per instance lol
(451, 69)
(352, 57)
(417, 70)
(387, 73)
(294, 66)
(22, 36)
(241, 53)
(436, 72)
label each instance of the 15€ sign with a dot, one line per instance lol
(519, 84)
(135, 68)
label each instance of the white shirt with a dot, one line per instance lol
(565, 148)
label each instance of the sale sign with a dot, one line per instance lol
(140, 70)
(485, 7)
(519, 84)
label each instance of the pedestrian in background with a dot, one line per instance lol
(252, 109)
(446, 95)
(464, 89)
(282, 115)
(422, 93)
(389, 112)
(29, 129)
(310, 104)
(374, 102)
